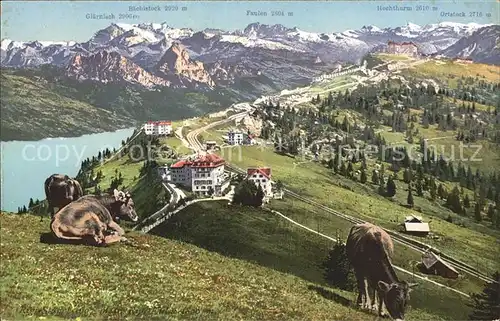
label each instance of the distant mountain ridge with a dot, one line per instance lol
(482, 44)
(260, 57)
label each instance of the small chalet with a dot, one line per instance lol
(433, 264)
(414, 225)
(262, 177)
(210, 144)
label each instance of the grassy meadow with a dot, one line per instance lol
(319, 183)
(268, 240)
(149, 278)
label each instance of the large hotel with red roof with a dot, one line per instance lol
(202, 175)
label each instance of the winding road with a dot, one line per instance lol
(192, 137)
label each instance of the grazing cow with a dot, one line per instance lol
(90, 218)
(61, 190)
(369, 249)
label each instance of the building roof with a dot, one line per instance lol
(413, 219)
(208, 161)
(181, 164)
(429, 259)
(160, 122)
(266, 171)
(417, 227)
(205, 161)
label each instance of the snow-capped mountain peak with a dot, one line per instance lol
(413, 27)
(370, 29)
(263, 30)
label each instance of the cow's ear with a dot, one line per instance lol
(116, 194)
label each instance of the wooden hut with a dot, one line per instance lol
(433, 264)
(414, 225)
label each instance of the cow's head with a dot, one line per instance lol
(124, 206)
(396, 297)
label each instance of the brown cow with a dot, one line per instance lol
(369, 249)
(90, 218)
(60, 190)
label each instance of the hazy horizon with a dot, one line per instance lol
(69, 21)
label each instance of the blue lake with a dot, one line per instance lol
(26, 164)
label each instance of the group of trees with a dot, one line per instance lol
(248, 193)
(422, 177)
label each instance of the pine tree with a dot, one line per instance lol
(407, 175)
(391, 187)
(466, 201)
(363, 177)
(409, 199)
(259, 196)
(31, 203)
(381, 187)
(337, 161)
(349, 169)
(337, 271)
(486, 305)
(342, 169)
(477, 212)
(453, 201)
(432, 188)
(419, 188)
(375, 179)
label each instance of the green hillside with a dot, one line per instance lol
(31, 110)
(43, 102)
(150, 278)
(266, 239)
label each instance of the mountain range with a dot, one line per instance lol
(258, 59)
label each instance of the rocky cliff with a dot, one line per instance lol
(176, 62)
(107, 66)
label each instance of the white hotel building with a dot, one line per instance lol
(202, 175)
(161, 128)
(235, 138)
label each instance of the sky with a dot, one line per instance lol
(64, 21)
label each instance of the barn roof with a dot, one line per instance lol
(266, 171)
(413, 219)
(429, 259)
(417, 227)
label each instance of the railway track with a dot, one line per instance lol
(406, 241)
(410, 243)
